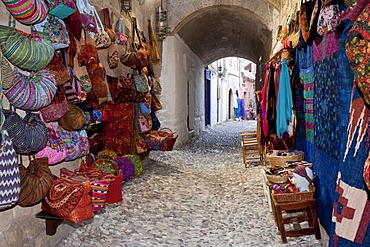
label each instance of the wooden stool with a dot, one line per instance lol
(307, 210)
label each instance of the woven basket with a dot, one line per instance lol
(280, 160)
(278, 179)
(297, 196)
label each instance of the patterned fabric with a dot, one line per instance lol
(56, 29)
(29, 52)
(328, 19)
(327, 129)
(307, 78)
(325, 46)
(58, 68)
(137, 163)
(70, 141)
(126, 166)
(9, 173)
(7, 74)
(32, 92)
(118, 131)
(27, 12)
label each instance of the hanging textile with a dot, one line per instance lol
(285, 101)
(271, 100)
(264, 107)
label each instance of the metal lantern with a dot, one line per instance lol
(162, 25)
(126, 5)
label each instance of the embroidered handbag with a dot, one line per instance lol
(86, 51)
(30, 52)
(54, 149)
(27, 12)
(139, 144)
(36, 181)
(29, 135)
(83, 142)
(156, 104)
(113, 56)
(141, 82)
(32, 92)
(69, 200)
(73, 89)
(56, 29)
(59, 8)
(74, 119)
(121, 38)
(99, 86)
(87, 15)
(57, 108)
(328, 19)
(143, 123)
(58, 69)
(83, 77)
(70, 141)
(155, 85)
(101, 38)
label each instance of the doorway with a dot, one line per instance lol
(207, 97)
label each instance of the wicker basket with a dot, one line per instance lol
(297, 196)
(280, 160)
(278, 179)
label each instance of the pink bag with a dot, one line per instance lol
(57, 108)
(54, 149)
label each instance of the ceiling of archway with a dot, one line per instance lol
(221, 28)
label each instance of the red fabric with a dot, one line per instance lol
(118, 131)
(114, 194)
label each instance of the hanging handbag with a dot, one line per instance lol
(57, 108)
(101, 38)
(141, 82)
(73, 89)
(139, 144)
(59, 8)
(29, 135)
(328, 19)
(32, 92)
(27, 12)
(87, 15)
(86, 51)
(56, 29)
(58, 69)
(30, 52)
(108, 25)
(113, 56)
(73, 21)
(74, 119)
(155, 85)
(99, 86)
(36, 181)
(70, 142)
(156, 104)
(7, 74)
(54, 149)
(156, 125)
(143, 122)
(154, 51)
(69, 200)
(121, 38)
(83, 142)
(82, 76)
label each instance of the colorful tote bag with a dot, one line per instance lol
(70, 141)
(54, 149)
(7, 74)
(56, 29)
(58, 68)
(87, 15)
(83, 142)
(57, 108)
(141, 83)
(27, 12)
(32, 92)
(29, 52)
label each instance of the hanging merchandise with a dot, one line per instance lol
(27, 12)
(9, 170)
(99, 87)
(32, 92)
(284, 101)
(56, 29)
(101, 38)
(71, 50)
(135, 58)
(57, 108)
(29, 135)
(73, 21)
(154, 51)
(113, 56)
(139, 144)
(87, 15)
(54, 149)
(328, 19)
(58, 69)
(69, 200)
(143, 122)
(7, 74)
(73, 89)
(357, 45)
(30, 52)
(74, 119)
(141, 82)
(108, 25)
(36, 181)
(305, 18)
(121, 38)
(156, 124)
(70, 142)
(60, 8)
(155, 85)
(83, 77)
(156, 104)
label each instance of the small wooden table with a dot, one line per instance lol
(51, 222)
(297, 211)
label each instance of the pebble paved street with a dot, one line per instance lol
(200, 194)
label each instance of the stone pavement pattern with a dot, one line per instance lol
(197, 195)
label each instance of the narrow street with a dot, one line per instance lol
(197, 195)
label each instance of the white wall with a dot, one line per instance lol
(180, 66)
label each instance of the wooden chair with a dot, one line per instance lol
(249, 144)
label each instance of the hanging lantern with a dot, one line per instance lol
(162, 25)
(126, 5)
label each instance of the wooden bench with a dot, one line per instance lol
(249, 144)
(51, 222)
(295, 213)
